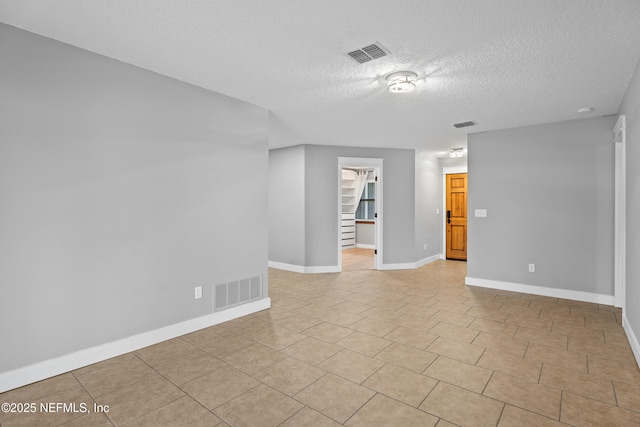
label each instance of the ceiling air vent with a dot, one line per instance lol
(367, 53)
(464, 124)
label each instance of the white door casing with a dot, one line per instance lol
(619, 142)
(376, 165)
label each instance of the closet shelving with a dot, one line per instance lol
(349, 206)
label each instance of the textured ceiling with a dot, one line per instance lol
(502, 63)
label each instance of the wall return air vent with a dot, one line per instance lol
(368, 53)
(236, 292)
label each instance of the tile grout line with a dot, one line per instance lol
(504, 406)
(531, 304)
(362, 406)
(92, 397)
(168, 380)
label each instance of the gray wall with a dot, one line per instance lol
(365, 233)
(631, 108)
(321, 203)
(286, 205)
(321, 188)
(121, 190)
(548, 190)
(449, 162)
(428, 199)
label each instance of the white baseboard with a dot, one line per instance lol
(323, 269)
(364, 246)
(337, 269)
(303, 269)
(632, 337)
(428, 260)
(411, 265)
(286, 267)
(541, 290)
(52, 367)
(399, 266)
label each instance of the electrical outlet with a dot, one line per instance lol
(532, 268)
(198, 292)
(437, 211)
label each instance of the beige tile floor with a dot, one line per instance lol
(357, 259)
(369, 348)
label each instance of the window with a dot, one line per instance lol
(367, 206)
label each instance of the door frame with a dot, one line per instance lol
(619, 246)
(449, 171)
(376, 165)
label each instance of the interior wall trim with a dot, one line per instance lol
(287, 267)
(336, 269)
(59, 365)
(304, 270)
(448, 171)
(411, 265)
(429, 260)
(364, 246)
(399, 266)
(632, 337)
(541, 290)
(323, 269)
(620, 216)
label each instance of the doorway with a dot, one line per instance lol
(456, 216)
(454, 202)
(368, 208)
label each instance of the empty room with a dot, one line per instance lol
(319, 213)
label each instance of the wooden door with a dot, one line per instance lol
(456, 216)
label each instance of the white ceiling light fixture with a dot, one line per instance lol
(401, 81)
(456, 152)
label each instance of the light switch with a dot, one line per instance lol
(481, 213)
